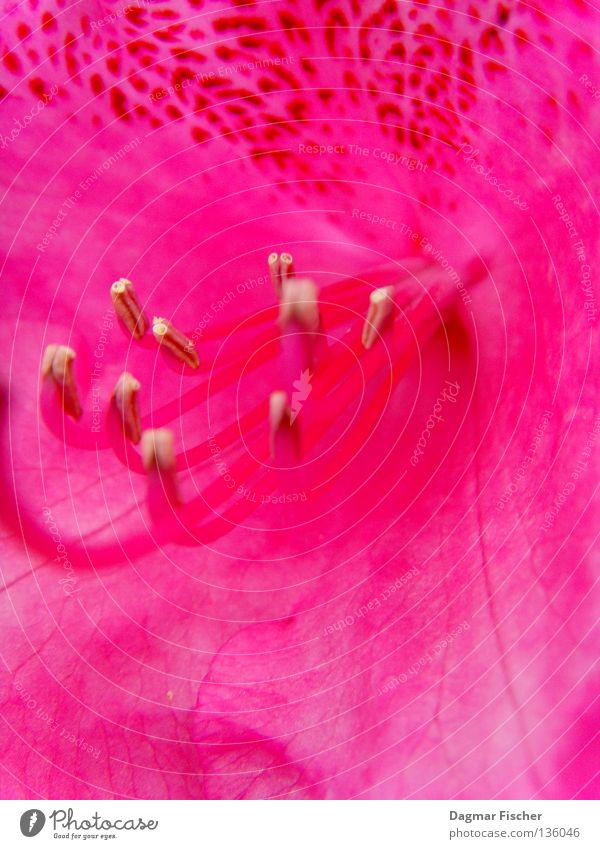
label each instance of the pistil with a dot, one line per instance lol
(299, 305)
(127, 403)
(299, 319)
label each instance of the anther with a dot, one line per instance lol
(158, 457)
(381, 307)
(299, 304)
(274, 272)
(281, 268)
(128, 307)
(126, 401)
(287, 267)
(57, 364)
(176, 342)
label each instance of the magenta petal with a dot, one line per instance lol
(409, 612)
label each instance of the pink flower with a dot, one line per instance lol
(394, 596)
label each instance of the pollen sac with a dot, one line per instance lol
(128, 308)
(126, 401)
(380, 312)
(286, 262)
(57, 366)
(175, 341)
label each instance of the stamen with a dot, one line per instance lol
(299, 319)
(333, 385)
(126, 401)
(287, 267)
(57, 364)
(281, 268)
(128, 307)
(279, 411)
(158, 457)
(284, 438)
(274, 271)
(175, 341)
(158, 451)
(381, 306)
(299, 304)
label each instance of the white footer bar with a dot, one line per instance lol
(302, 825)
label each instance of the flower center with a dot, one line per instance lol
(352, 339)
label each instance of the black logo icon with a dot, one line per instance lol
(32, 822)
